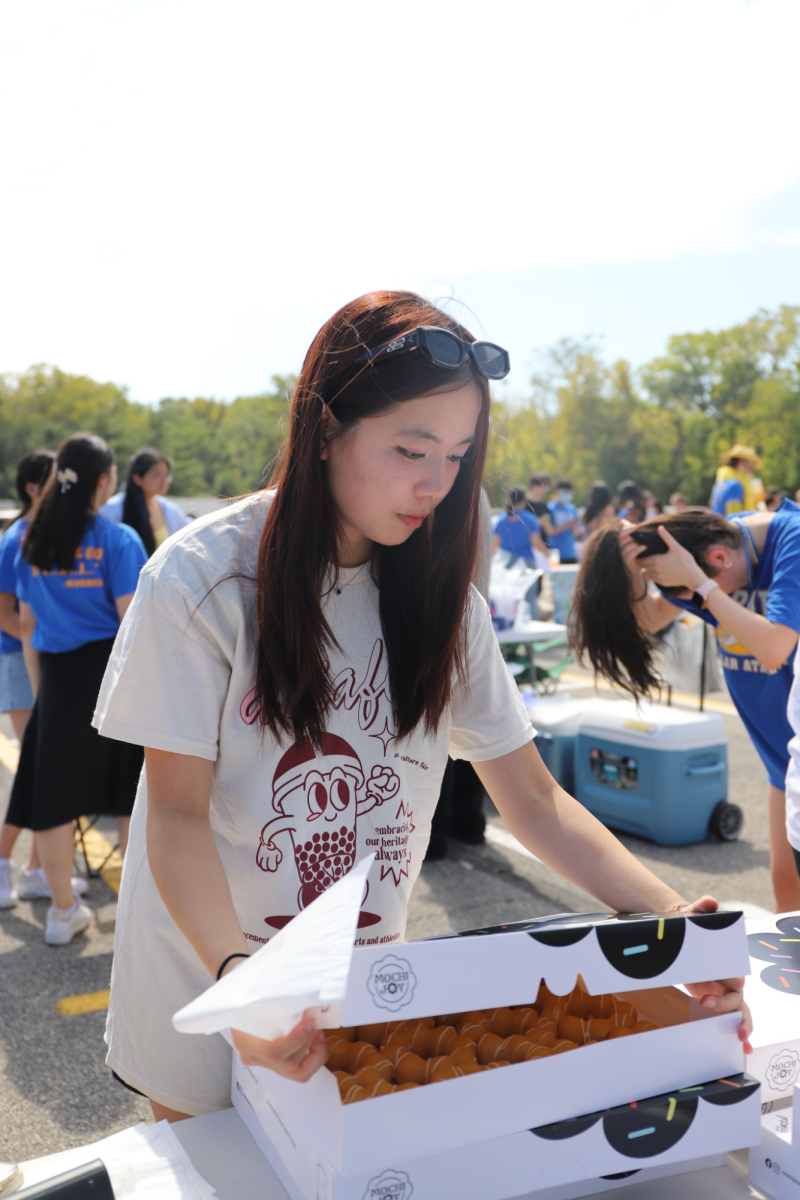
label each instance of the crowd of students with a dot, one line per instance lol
(69, 565)
(755, 535)
(557, 528)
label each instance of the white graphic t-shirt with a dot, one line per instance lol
(287, 823)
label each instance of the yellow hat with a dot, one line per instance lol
(745, 452)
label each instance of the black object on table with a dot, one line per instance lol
(90, 1182)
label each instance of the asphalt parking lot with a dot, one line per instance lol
(55, 1091)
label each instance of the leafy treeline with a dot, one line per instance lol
(665, 425)
(217, 448)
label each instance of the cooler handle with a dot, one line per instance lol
(712, 770)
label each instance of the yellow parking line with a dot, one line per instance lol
(680, 697)
(70, 1006)
(9, 754)
(98, 851)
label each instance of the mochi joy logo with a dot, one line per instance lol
(781, 950)
(390, 1185)
(783, 1069)
(391, 982)
(317, 802)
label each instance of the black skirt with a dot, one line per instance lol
(66, 770)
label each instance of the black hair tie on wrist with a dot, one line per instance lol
(227, 960)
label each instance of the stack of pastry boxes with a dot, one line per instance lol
(459, 1067)
(773, 992)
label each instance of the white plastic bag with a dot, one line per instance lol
(682, 656)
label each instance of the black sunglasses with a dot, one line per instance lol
(444, 349)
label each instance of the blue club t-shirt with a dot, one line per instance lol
(75, 607)
(9, 545)
(761, 695)
(515, 532)
(563, 542)
(727, 497)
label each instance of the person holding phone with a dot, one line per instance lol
(741, 574)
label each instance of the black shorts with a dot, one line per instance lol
(66, 769)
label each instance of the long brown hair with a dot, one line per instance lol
(602, 618)
(423, 583)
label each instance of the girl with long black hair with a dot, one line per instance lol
(76, 575)
(742, 575)
(298, 666)
(143, 504)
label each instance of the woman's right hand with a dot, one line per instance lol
(630, 551)
(297, 1056)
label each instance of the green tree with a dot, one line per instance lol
(44, 405)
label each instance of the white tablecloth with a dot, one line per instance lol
(224, 1153)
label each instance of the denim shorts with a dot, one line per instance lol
(15, 688)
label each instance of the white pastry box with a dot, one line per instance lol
(773, 993)
(690, 1129)
(775, 1164)
(312, 964)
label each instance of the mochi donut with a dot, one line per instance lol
(353, 1091)
(350, 1056)
(372, 1033)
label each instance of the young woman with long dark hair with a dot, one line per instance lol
(742, 575)
(298, 666)
(143, 504)
(76, 575)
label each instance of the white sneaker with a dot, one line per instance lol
(32, 885)
(8, 893)
(62, 926)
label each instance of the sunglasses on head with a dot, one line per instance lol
(445, 349)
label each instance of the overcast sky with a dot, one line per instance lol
(190, 189)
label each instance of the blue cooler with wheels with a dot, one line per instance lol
(556, 723)
(655, 771)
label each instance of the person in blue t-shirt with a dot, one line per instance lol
(518, 531)
(727, 497)
(76, 575)
(564, 520)
(741, 575)
(16, 697)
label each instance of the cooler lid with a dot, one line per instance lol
(550, 715)
(653, 725)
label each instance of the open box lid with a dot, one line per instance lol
(313, 964)
(773, 991)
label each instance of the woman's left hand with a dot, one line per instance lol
(721, 995)
(676, 568)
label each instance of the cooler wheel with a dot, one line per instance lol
(726, 821)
